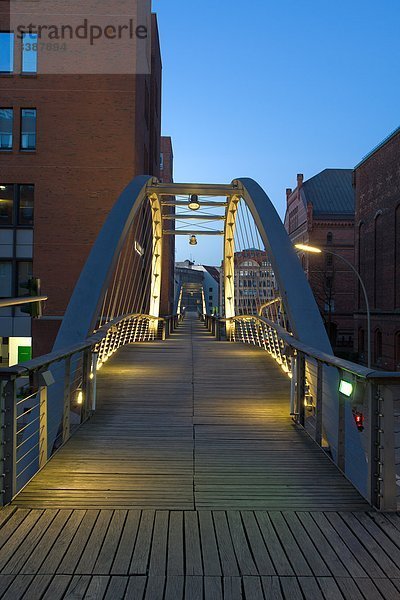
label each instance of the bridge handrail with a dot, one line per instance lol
(315, 375)
(29, 436)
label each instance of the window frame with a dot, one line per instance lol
(21, 132)
(23, 72)
(15, 223)
(12, 34)
(11, 108)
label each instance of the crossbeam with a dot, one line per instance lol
(190, 232)
(194, 217)
(201, 189)
(184, 203)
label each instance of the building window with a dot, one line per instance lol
(16, 205)
(6, 128)
(161, 161)
(397, 258)
(6, 52)
(28, 129)
(25, 205)
(5, 279)
(6, 204)
(24, 273)
(293, 219)
(29, 52)
(378, 346)
(329, 260)
(329, 237)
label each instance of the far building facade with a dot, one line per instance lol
(320, 212)
(199, 285)
(255, 283)
(377, 252)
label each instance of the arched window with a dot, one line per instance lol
(329, 237)
(378, 346)
(379, 241)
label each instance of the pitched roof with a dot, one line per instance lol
(330, 192)
(378, 147)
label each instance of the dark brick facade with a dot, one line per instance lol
(168, 259)
(377, 250)
(94, 134)
(332, 282)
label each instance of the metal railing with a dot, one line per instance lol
(351, 411)
(31, 433)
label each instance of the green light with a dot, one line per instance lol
(346, 388)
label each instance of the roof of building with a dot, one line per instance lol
(378, 147)
(330, 192)
(213, 271)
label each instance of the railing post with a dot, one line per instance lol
(86, 384)
(9, 487)
(43, 452)
(67, 400)
(373, 424)
(300, 386)
(318, 403)
(164, 330)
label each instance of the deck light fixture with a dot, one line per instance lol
(193, 240)
(194, 203)
(346, 388)
(308, 248)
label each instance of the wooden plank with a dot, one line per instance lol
(194, 588)
(193, 564)
(212, 588)
(175, 564)
(62, 543)
(310, 588)
(141, 552)
(5, 582)
(242, 551)
(298, 562)
(155, 588)
(306, 546)
(349, 588)
(18, 587)
(11, 524)
(97, 587)
(232, 588)
(136, 587)
(387, 589)
(42, 549)
(253, 588)
(158, 555)
(329, 588)
(211, 563)
(16, 540)
(57, 588)
(37, 587)
(77, 545)
(291, 589)
(327, 544)
(278, 556)
(124, 552)
(110, 545)
(6, 513)
(116, 588)
(174, 588)
(225, 546)
(272, 588)
(257, 546)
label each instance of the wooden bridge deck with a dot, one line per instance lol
(191, 482)
(191, 423)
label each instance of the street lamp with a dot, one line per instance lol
(315, 250)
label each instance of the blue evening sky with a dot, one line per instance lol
(267, 89)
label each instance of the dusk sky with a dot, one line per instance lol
(269, 89)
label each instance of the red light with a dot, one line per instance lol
(359, 419)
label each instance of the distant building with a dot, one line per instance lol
(254, 281)
(320, 212)
(377, 251)
(199, 283)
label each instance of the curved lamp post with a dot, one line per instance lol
(316, 250)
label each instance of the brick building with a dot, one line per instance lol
(320, 212)
(69, 145)
(254, 281)
(377, 252)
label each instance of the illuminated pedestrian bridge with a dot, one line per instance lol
(155, 456)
